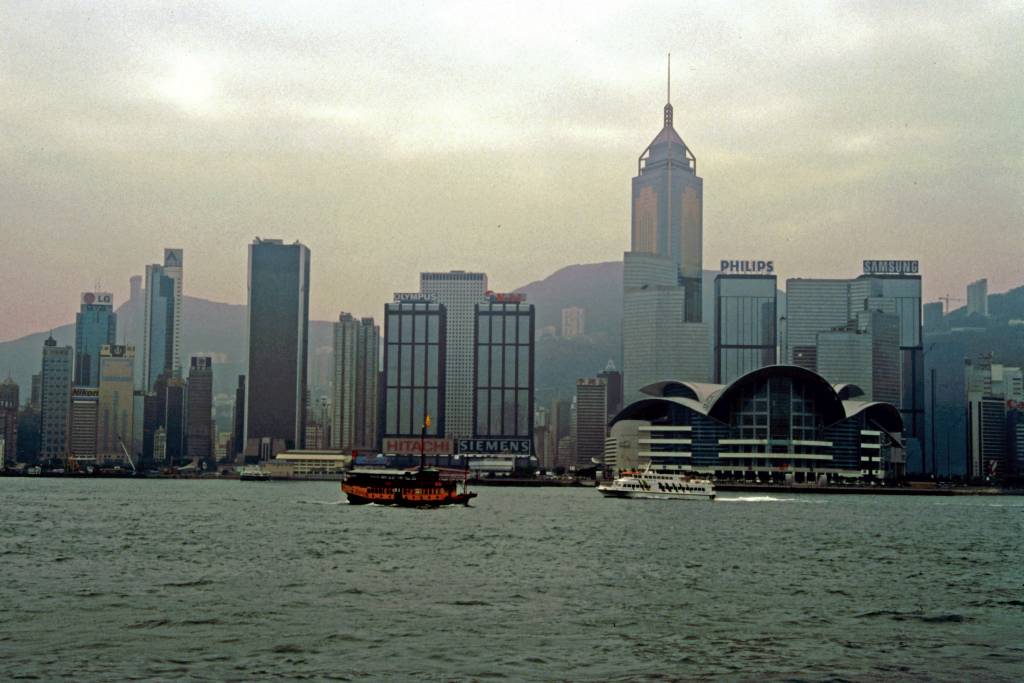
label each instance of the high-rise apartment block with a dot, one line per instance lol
(591, 421)
(573, 322)
(115, 403)
(977, 297)
(459, 292)
(161, 332)
(278, 341)
(55, 400)
(745, 324)
(415, 368)
(354, 421)
(199, 429)
(95, 326)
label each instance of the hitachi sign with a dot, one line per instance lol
(766, 267)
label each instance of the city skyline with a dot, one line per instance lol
(156, 131)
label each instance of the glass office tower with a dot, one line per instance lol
(414, 368)
(746, 334)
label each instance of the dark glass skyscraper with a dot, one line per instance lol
(278, 334)
(745, 325)
(503, 407)
(95, 326)
(414, 368)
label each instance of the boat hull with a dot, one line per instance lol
(609, 492)
(402, 501)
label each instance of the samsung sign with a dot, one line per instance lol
(891, 268)
(765, 267)
(524, 446)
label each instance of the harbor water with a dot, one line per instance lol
(165, 580)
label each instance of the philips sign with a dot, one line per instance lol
(891, 267)
(752, 267)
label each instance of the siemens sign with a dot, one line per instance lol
(764, 267)
(492, 446)
(891, 268)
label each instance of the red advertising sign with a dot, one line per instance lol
(411, 446)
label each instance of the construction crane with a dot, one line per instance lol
(947, 299)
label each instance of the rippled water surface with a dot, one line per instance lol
(118, 579)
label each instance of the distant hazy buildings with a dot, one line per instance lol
(591, 421)
(573, 322)
(55, 399)
(354, 421)
(172, 433)
(459, 292)
(278, 341)
(745, 322)
(933, 316)
(662, 333)
(115, 402)
(994, 393)
(161, 333)
(95, 326)
(414, 370)
(613, 380)
(199, 431)
(503, 411)
(977, 297)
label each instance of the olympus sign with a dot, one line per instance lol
(766, 267)
(891, 267)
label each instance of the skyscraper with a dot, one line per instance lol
(414, 368)
(663, 336)
(199, 436)
(993, 392)
(459, 292)
(115, 403)
(161, 336)
(591, 421)
(9, 406)
(745, 324)
(236, 447)
(95, 325)
(866, 353)
(356, 366)
(613, 378)
(503, 377)
(278, 340)
(668, 200)
(977, 297)
(54, 419)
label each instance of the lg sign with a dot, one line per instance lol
(103, 298)
(766, 267)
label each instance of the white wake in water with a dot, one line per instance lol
(756, 499)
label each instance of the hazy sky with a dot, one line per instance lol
(398, 137)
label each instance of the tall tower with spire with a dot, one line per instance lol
(663, 333)
(668, 201)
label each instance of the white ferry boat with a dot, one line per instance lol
(658, 485)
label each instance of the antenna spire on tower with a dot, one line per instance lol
(669, 100)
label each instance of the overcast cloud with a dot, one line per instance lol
(396, 137)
